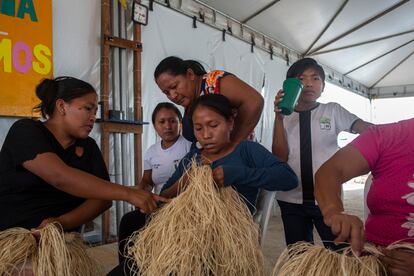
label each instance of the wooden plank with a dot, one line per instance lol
(123, 43)
(106, 215)
(121, 128)
(137, 106)
(108, 41)
(105, 52)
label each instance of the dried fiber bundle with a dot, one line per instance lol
(203, 231)
(56, 253)
(81, 263)
(17, 246)
(52, 255)
(309, 259)
(409, 247)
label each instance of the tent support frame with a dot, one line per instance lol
(378, 57)
(363, 43)
(268, 6)
(340, 9)
(372, 19)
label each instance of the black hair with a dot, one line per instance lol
(217, 102)
(166, 106)
(297, 68)
(65, 88)
(177, 66)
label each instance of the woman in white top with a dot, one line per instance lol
(161, 158)
(160, 161)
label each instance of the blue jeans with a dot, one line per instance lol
(298, 222)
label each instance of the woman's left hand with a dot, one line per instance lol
(346, 228)
(51, 220)
(398, 262)
(218, 175)
(36, 231)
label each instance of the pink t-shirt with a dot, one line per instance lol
(389, 151)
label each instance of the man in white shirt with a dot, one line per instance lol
(306, 139)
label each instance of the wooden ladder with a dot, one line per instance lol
(108, 126)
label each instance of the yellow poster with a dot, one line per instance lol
(25, 53)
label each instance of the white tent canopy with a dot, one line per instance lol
(370, 41)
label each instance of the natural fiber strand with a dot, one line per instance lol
(52, 255)
(203, 231)
(57, 253)
(17, 247)
(81, 263)
(307, 259)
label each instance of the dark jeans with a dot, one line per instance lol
(130, 222)
(298, 222)
(123, 269)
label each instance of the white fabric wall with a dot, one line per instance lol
(76, 39)
(5, 124)
(275, 71)
(76, 42)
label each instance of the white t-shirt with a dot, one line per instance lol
(163, 162)
(327, 121)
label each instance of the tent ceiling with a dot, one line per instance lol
(326, 25)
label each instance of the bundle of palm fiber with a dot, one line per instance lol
(81, 263)
(56, 253)
(17, 246)
(203, 231)
(307, 259)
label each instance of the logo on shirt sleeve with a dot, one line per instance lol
(325, 123)
(176, 162)
(409, 224)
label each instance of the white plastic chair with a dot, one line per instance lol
(264, 206)
(367, 186)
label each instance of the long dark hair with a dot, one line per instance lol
(65, 88)
(166, 106)
(177, 66)
(216, 102)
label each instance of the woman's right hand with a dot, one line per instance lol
(278, 99)
(144, 200)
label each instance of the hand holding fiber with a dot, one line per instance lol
(218, 176)
(347, 228)
(143, 200)
(50, 220)
(160, 199)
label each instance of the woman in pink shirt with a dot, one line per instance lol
(388, 152)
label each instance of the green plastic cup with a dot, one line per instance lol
(292, 88)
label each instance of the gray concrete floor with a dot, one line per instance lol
(275, 241)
